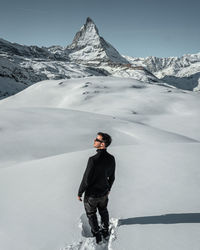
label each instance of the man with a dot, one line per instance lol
(96, 183)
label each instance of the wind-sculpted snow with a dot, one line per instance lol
(34, 133)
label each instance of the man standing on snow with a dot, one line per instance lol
(96, 183)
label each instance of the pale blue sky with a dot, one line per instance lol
(137, 28)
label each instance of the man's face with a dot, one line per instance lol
(98, 144)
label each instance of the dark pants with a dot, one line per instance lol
(91, 204)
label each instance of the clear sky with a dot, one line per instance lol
(136, 28)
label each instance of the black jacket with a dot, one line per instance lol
(99, 174)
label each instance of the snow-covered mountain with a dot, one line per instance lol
(182, 72)
(21, 66)
(89, 55)
(88, 47)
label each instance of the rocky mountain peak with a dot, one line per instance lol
(89, 21)
(88, 35)
(89, 47)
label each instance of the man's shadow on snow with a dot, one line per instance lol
(162, 219)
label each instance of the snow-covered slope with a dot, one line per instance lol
(47, 134)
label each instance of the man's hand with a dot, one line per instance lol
(79, 198)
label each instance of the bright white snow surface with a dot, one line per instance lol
(47, 134)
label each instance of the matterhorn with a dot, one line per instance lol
(88, 47)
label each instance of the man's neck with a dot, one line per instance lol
(101, 149)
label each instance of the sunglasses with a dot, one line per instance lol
(96, 139)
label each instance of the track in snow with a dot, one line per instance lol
(88, 241)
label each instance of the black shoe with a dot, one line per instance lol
(105, 233)
(98, 238)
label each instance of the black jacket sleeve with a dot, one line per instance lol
(112, 176)
(87, 177)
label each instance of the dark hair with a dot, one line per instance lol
(106, 138)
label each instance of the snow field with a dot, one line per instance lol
(47, 134)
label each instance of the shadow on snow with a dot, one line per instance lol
(162, 219)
